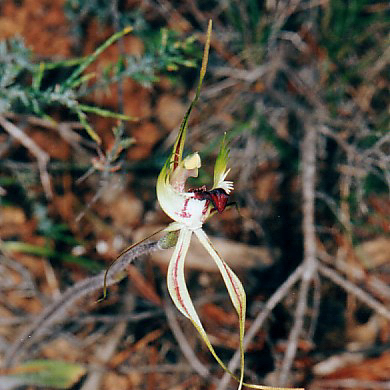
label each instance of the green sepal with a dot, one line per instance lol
(221, 162)
(178, 147)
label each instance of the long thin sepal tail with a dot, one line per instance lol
(235, 289)
(179, 293)
(237, 295)
(178, 147)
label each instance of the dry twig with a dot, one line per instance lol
(276, 298)
(309, 240)
(104, 353)
(354, 290)
(181, 339)
(56, 312)
(41, 156)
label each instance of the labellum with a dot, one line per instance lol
(218, 198)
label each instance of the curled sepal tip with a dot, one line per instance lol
(118, 276)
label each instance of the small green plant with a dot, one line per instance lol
(46, 373)
(24, 86)
(36, 97)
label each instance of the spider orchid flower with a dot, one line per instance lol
(189, 210)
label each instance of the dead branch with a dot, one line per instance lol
(355, 290)
(181, 339)
(275, 299)
(56, 312)
(104, 353)
(41, 156)
(309, 241)
(349, 383)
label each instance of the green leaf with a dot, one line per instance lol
(80, 69)
(91, 132)
(24, 247)
(53, 373)
(127, 142)
(105, 113)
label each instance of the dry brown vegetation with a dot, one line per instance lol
(302, 89)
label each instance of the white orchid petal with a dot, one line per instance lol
(227, 186)
(182, 207)
(235, 289)
(238, 298)
(179, 293)
(233, 283)
(192, 161)
(175, 277)
(173, 226)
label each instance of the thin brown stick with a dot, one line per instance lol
(181, 339)
(103, 354)
(41, 156)
(355, 290)
(375, 285)
(309, 241)
(349, 383)
(57, 311)
(276, 297)
(64, 128)
(315, 306)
